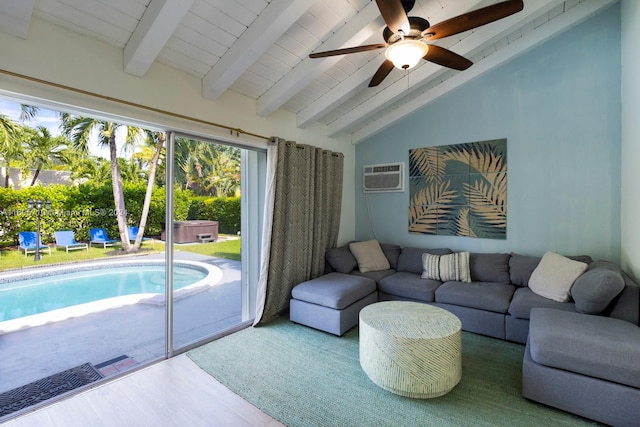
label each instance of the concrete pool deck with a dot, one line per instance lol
(136, 331)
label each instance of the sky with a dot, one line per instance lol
(50, 120)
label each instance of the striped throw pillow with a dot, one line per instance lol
(454, 266)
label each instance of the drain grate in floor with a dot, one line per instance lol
(46, 388)
(116, 365)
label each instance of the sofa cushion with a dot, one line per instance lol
(369, 256)
(489, 267)
(521, 266)
(334, 290)
(554, 276)
(409, 285)
(392, 252)
(410, 259)
(374, 275)
(487, 296)
(596, 346)
(446, 267)
(597, 287)
(341, 259)
(524, 300)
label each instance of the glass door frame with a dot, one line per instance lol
(253, 164)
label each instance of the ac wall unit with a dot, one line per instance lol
(383, 177)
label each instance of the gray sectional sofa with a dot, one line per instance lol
(498, 302)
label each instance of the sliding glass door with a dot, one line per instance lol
(125, 274)
(211, 234)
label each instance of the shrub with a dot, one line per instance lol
(225, 210)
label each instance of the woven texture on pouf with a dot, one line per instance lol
(411, 349)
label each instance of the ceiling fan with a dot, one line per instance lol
(406, 36)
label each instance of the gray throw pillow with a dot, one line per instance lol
(341, 259)
(595, 289)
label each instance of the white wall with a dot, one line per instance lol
(630, 211)
(56, 55)
(45, 177)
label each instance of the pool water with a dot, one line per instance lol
(43, 294)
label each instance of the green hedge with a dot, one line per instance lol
(80, 208)
(225, 210)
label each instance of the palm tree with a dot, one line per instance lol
(207, 168)
(10, 147)
(158, 139)
(42, 150)
(78, 129)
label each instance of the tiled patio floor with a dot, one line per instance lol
(136, 331)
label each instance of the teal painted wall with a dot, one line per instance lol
(559, 106)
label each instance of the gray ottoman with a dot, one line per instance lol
(331, 302)
(585, 364)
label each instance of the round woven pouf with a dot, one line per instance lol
(411, 349)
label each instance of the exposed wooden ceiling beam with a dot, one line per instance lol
(573, 16)
(362, 26)
(482, 37)
(268, 27)
(156, 26)
(15, 17)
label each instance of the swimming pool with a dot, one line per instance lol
(51, 294)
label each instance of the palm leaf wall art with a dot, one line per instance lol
(423, 162)
(459, 190)
(426, 204)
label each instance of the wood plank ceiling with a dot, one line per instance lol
(260, 49)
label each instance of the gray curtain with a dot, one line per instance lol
(306, 200)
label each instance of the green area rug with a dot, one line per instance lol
(304, 377)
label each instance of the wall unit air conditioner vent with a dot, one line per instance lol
(383, 177)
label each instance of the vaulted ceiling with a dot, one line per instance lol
(260, 48)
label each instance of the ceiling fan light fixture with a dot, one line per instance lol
(406, 54)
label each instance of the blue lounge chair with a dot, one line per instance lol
(133, 234)
(27, 241)
(99, 237)
(66, 239)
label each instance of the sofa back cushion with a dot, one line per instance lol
(392, 252)
(410, 259)
(521, 266)
(597, 287)
(341, 259)
(489, 267)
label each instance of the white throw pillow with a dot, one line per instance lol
(369, 256)
(444, 268)
(554, 276)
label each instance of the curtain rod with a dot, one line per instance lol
(238, 131)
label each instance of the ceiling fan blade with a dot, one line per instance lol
(382, 72)
(394, 15)
(473, 19)
(348, 50)
(446, 58)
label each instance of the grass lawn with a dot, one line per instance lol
(11, 258)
